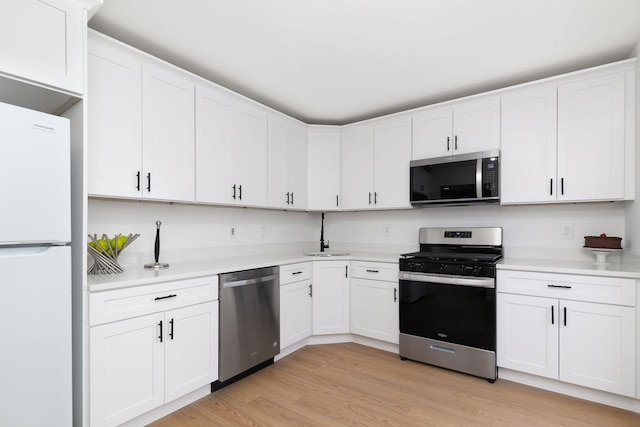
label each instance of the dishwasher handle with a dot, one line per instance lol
(247, 282)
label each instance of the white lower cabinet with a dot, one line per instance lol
(330, 297)
(140, 363)
(295, 303)
(374, 301)
(576, 329)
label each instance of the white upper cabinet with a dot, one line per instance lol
(528, 154)
(287, 163)
(140, 117)
(114, 96)
(324, 168)
(168, 144)
(591, 138)
(42, 41)
(463, 127)
(375, 165)
(568, 141)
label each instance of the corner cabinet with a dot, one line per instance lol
(374, 301)
(141, 135)
(330, 297)
(287, 166)
(324, 168)
(462, 127)
(569, 140)
(42, 41)
(576, 329)
(375, 165)
(150, 345)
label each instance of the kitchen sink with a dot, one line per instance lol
(326, 254)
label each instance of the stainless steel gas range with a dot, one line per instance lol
(448, 299)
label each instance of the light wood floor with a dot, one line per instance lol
(350, 384)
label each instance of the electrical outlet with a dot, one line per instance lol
(233, 232)
(566, 231)
(385, 230)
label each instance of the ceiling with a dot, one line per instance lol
(340, 61)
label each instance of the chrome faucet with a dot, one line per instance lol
(322, 245)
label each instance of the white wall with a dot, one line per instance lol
(633, 213)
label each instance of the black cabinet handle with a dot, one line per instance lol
(373, 271)
(288, 198)
(311, 290)
(346, 271)
(455, 144)
(551, 187)
(337, 200)
(565, 316)
(240, 191)
(395, 294)
(559, 286)
(138, 181)
(553, 322)
(160, 336)
(166, 296)
(369, 197)
(375, 198)
(448, 147)
(149, 182)
(562, 186)
(234, 191)
(171, 329)
(296, 272)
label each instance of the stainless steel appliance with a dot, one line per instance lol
(456, 180)
(249, 321)
(448, 299)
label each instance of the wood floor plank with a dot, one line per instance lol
(350, 384)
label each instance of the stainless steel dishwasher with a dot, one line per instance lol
(249, 321)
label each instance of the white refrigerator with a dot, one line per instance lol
(35, 269)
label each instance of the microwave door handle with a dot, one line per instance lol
(479, 178)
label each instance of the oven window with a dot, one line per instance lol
(455, 180)
(463, 315)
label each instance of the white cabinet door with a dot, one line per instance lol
(528, 154)
(591, 138)
(391, 154)
(126, 370)
(168, 144)
(297, 166)
(295, 312)
(527, 334)
(215, 111)
(476, 125)
(597, 346)
(324, 169)
(114, 97)
(357, 168)
(249, 156)
(374, 309)
(432, 133)
(191, 351)
(43, 41)
(330, 297)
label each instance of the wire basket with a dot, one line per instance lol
(105, 252)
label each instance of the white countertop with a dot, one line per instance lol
(627, 267)
(138, 275)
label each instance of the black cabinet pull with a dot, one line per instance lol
(240, 191)
(565, 316)
(559, 286)
(171, 329)
(369, 197)
(346, 271)
(288, 198)
(234, 191)
(395, 294)
(373, 271)
(337, 200)
(551, 187)
(296, 272)
(149, 182)
(562, 186)
(292, 197)
(448, 144)
(311, 290)
(375, 198)
(166, 296)
(553, 322)
(160, 336)
(455, 144)
(138, 181)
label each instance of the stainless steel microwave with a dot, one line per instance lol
(456, 180)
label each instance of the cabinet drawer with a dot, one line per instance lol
(295, 272)
(608, 290)
(375, 270)
(109, 306)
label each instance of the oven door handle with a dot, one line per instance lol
(479, 282)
